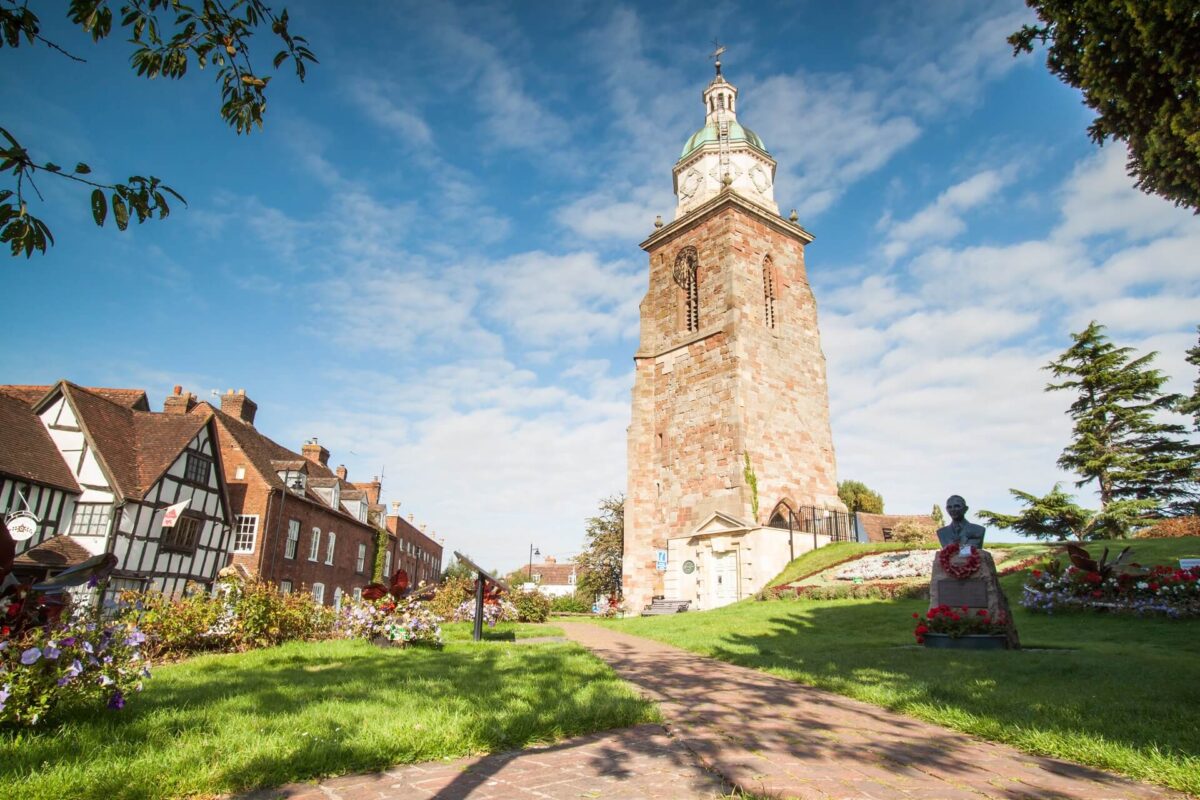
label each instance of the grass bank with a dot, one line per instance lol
(229, 723)
(1118, 693)
(503, 632)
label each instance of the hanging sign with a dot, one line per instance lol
(22, 525)
(661, 561)
(173, 512)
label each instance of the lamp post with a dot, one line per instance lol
(533, 551)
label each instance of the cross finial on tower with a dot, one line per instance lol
(718, 49)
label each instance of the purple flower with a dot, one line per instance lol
(75, 668)
(30, 656)
(3, 695)
(87, 647)
(69, 641)
(105, 680)
(135, 637)
(52, 652)
(117, 701)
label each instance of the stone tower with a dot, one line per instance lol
(729, 366)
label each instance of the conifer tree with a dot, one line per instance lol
(1191, 405)
(1118, 440)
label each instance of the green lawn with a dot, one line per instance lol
(229, 723)
(503, 632)
(1122, 694)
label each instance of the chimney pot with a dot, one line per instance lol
(341, 471)
(179, 402)
(396, 507)
(178, 389)
(315, 452)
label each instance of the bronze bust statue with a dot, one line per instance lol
(959, 530)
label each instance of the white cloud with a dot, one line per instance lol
(942, 219)
(624, 213)
(376, 101)
(947, 393)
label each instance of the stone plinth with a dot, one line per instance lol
(979, 590)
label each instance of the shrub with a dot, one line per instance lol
(452, 593)
(1168, 591)
(570, 604)
(240, 616)
(911, 532)
(77, 661)
(959, 622)
(531, 606)
(1171, 528)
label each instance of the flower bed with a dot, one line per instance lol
(959, 622)
(406, 621)
(1166, 591)
(493, 612)
(889, 566)
(76, 660)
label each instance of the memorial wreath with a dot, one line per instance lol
(962, 570)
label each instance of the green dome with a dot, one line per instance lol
(708, 133)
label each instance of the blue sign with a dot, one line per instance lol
(662, 561)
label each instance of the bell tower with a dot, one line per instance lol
(730, 409)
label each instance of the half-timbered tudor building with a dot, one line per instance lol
(297, 523)
(35, 479)
(130, 464)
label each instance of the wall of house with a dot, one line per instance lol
(138, 538)
(51, 505)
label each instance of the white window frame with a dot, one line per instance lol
(285, 587)
(329, 547)
(239, 473)
(245, 529)
(293, 539)
(314, 545)
(358, 593)
(338, 594)
(387, 565)
(360, 563)
(318, 592)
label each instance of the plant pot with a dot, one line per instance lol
(974, 641)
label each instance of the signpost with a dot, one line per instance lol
(481, 577)
(22, 525)
(661, 561)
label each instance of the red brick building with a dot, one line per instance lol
(417, 554)
(297, 523)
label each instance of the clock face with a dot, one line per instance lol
(691, 183)
(762, 181)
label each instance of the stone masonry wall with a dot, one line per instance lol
(701, 398)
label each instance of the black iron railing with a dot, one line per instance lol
(837, 525)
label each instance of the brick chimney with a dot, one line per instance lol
(315, 452)
(551, 560)
(240, 406)
(341, 471)
(179, 402)
(374, 488)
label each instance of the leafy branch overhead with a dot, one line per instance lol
(167, 36)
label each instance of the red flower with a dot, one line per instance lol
(1037, 573)
(1154, 587)
(982, 612)
(916, 615)
(922, 630)
(1097, 593)
(1093, 577)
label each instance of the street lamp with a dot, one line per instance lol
(533, 551)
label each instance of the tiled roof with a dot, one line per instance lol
(873, 524)
(268, 456)
(399, 526)
(130, 398)
(26, 449)
(57, 551)
(136, 447)
(552, 574)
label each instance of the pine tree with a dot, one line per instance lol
(1191, 405)
(1118, 441)
(1056, 516)
(939, 519)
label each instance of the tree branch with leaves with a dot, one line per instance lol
(167, 37)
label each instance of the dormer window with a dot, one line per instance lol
(362, 510)
(294, 479)
(335, 497)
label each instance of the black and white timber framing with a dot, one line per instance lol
(103, 520)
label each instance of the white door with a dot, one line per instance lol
(725, 569)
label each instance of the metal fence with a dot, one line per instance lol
(837, 525)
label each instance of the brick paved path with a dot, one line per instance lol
(777, 737)
(639, 763)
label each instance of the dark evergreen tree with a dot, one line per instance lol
(1191, 405)
(1056, 516)
(1138, 66)
(600, 562)
(1119, 440)
(859, 497)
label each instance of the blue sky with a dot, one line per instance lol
(428, 259)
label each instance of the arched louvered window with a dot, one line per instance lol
(768, 278)
(687, 278)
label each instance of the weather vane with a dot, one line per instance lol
(718, 49)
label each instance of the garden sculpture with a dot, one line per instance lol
(959, 531)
